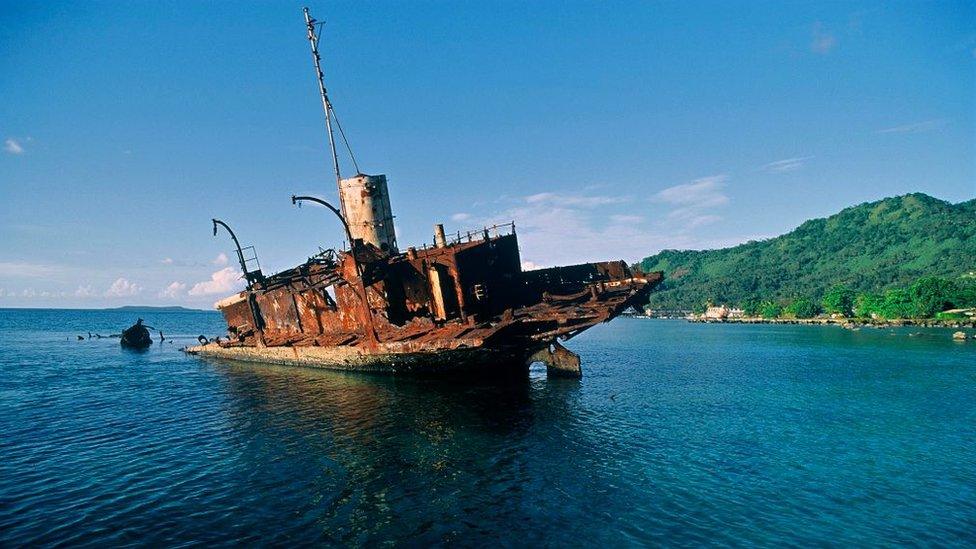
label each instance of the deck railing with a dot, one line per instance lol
(491, 232)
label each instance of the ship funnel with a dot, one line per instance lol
(366, 207)
(439, 239)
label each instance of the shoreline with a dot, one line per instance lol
(844, 322)
(848, 323)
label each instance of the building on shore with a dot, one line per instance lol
(667, 313)
(723, 312)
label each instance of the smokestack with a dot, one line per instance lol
(366, 207)
(439, 240)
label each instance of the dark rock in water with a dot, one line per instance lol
(136, 337)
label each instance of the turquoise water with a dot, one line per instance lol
(679, 434)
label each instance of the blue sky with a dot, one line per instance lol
(605, 130)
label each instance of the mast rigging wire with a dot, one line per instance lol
(332, 111)
(346, 141)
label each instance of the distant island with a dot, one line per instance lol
(151, 309)
(911, 256)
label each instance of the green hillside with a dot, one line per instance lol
(868, 248)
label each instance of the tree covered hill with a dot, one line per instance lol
(868, 248)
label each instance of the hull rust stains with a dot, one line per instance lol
(463, 303)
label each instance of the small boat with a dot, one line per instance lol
(136, 337)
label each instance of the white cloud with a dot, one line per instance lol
(173, 290)
(461, 216)
(573, 200)
(220, 260)
(696, 221)
(19, 269)
(694, 202)
(29, 292)
(225, 280)
(565, 228)
(12, 146)
(785, 165)
(621, 218)
(3, 292)
(823, 41)
(570, 228)
(123, 288)
(916, 127)
(700, 193)
(84, 291)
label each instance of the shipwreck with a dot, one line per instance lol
(460, 303)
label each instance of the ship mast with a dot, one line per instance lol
(313, 39)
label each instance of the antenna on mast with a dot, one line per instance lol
(313, 40)
(364, 199)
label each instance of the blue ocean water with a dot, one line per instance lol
(679, 434)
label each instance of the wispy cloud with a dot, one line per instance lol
(690, 222)
(623, 218)
(19, 269)
(703, 192)
(785, 165)
(916, 127)
(568, 227)
(85, 292)
(173, 290)
(823, 41)
(574, 200)
(13, 146)
(460, 216)
(31, 293)
(123, 288)
(220, 260)
(225, 280)
(573, 226)
(694, 201)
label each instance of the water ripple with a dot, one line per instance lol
(679, 434)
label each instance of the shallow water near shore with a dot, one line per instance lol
(678, 434)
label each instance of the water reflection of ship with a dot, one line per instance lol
(366, 445)
(460, 303)
(350, 404)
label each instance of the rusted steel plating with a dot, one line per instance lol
(367, 314)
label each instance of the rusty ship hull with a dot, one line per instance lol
(462, 306)
(458, 304)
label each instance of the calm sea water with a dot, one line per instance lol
(678, 434)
